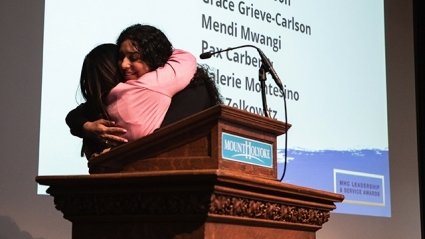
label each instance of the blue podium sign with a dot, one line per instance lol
(246, 150)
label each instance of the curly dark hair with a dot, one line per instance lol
(203, 77)
(154, 47)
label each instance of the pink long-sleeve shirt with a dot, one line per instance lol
(140, 105)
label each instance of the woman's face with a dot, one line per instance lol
(130, 62)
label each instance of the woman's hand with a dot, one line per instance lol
(106, 131)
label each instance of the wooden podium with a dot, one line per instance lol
(207, 176)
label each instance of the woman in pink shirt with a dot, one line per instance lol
(153, 73)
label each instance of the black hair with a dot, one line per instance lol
(99, 75)
(154, 47)
(202, 76)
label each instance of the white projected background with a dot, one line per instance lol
(330, 56)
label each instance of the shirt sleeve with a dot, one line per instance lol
(75, 120)
(174, 76)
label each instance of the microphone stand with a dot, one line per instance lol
(265, 67)
(262, 78)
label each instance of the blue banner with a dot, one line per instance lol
(246, 150)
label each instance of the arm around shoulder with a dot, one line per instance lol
(177, 72)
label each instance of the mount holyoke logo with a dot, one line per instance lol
(246, 150)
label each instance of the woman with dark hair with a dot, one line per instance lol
(151, 45)
(154, 75)
(147, 43)
(99, 74)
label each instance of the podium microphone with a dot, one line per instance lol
(268, 67)
(207, 55)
